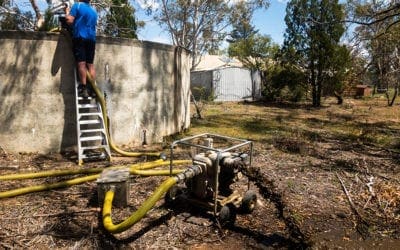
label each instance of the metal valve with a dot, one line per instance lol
(58, 6)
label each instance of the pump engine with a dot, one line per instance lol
(202, 186)
(211, 186)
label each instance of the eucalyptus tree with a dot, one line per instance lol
(244, 41)
(39, 17)
(241, 21)
(196, 25)
(312, 41)
(371, 12)
(200, 25)
(12, 17)
(256, 52)
(378, 33)
(120, 20)
(116, 17)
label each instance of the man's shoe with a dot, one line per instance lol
(92, 93)
(80, 87)
(82, 91)
(85, 93)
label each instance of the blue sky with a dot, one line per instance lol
(271, 21)
(268, 22)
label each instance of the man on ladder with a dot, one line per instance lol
(91, 129)
(83, 18)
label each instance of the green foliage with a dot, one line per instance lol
(50, 21)
(195, 25)
(241, 24)
(202, 94)
(121, 20)
(379, 33)
(201, 26)
(9, 22)
(255, 52)
(312, 37)
(285, 83)
(16, 20)
(339, 68)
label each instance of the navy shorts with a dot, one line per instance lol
(84, 50)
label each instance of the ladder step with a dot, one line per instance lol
(95, 156)
(91, 138)
(94, 147)
(91, 105)
(87, 98)
(90, 113)
(82, 122)
(92, 130)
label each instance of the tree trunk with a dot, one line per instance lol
(396, 90)
(316, 92)
(374, 89)
(338, 97)
(39, 17)
(313, 85)
(319, 81)
(197, 106)
(319, 89)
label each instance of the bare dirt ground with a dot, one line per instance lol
(326, 178)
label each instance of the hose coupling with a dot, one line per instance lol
(163, 156)
(112, 188)
(189, 173)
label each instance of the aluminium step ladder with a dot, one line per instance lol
(92, 137)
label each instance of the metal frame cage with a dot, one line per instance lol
(224, 144)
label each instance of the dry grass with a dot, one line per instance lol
(304, 146)
(299, 151)
(362, 121)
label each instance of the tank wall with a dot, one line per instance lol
(146, 84)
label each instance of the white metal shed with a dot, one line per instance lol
(229, 83)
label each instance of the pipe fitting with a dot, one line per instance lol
(163, 156)
(189, 173)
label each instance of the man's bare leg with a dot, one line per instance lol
(82, 76)
(91, 70)
(82, 72)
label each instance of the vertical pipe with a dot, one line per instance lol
(216, 182)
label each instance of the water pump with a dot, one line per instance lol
(217, 170)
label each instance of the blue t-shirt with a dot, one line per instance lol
(85, 21)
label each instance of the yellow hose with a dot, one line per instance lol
(54, 30)
(49, 173)
(76, 181)
(53, 173)
(139, 214)
(155, 172)
(140, 170)
(104, 111)
(158, 163)
(43, 187)
(190, 172)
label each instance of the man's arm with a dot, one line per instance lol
(70, 19)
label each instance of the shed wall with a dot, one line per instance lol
(227, 84)
(201, 84)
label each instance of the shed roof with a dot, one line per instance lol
(209, 62)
